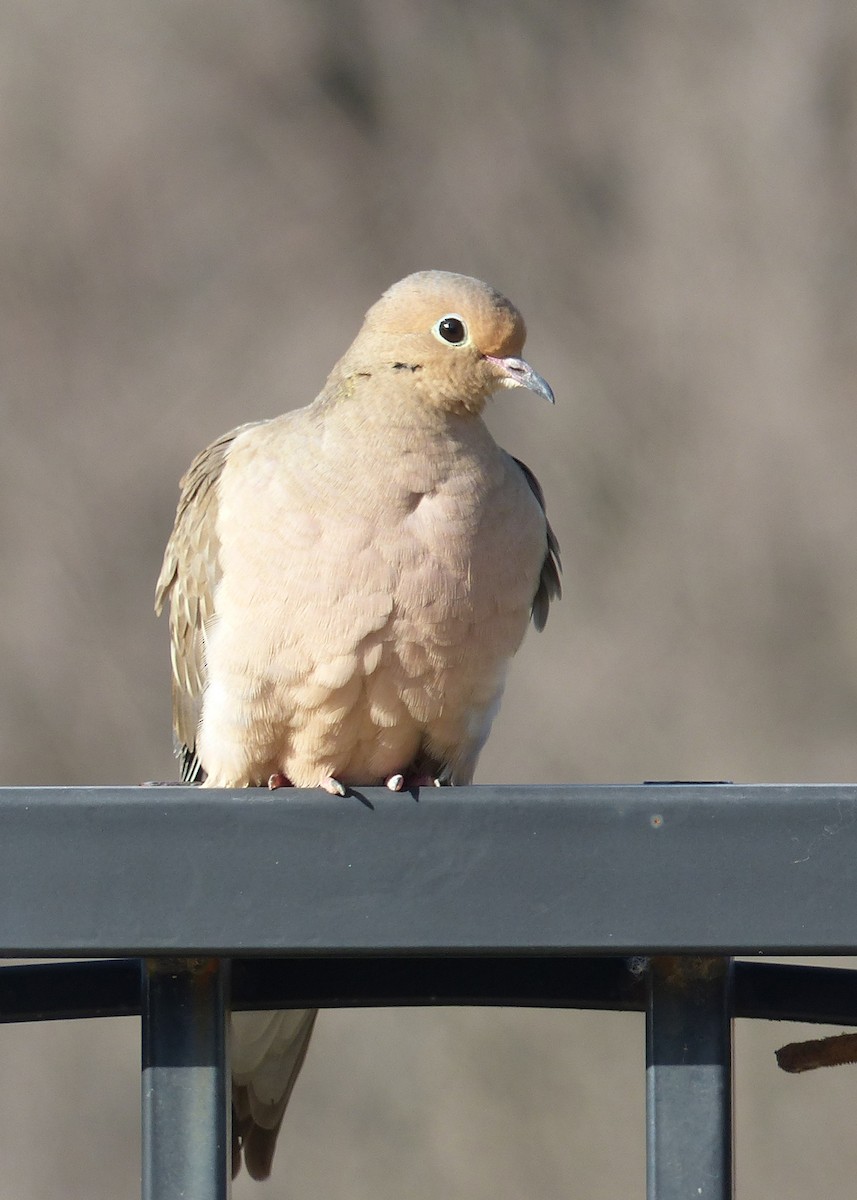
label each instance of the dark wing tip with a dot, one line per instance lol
(191, 768)
(549, 587)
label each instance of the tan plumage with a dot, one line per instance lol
(347, 585)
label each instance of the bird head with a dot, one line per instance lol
(451, 341)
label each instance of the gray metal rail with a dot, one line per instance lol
(629, 897)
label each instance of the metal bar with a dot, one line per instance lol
(185, 1080)
(552, 982)
(786, 992)
(689, 1079)
(69, 991)
(765, 991)
(473, 870)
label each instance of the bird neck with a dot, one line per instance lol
(402, 392)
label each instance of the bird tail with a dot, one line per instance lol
(268, 1050)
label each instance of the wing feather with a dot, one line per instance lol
(550, 587)
(189, 577)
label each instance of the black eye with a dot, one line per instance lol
(453, 330)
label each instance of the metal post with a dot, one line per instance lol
(689, 1079)
(185, 1079)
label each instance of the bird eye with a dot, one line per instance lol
(452, 329)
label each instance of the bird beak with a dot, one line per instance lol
(514, 372)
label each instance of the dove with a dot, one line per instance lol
(348, 583)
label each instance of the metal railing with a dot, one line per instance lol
(622, 898)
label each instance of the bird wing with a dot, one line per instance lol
(189, 576)
(549, 587)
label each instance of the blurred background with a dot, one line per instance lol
(198, 201)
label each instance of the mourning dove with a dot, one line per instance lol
(347, 585)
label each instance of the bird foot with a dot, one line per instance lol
(279, 780)
(333, 786)
(401, 783)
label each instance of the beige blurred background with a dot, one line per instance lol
(198, 200)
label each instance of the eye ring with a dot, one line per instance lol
(451, 329)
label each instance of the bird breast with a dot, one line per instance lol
(381, 603)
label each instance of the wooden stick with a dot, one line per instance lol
(820, 1052)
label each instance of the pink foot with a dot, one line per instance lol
(278, 780)
(400, 783)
